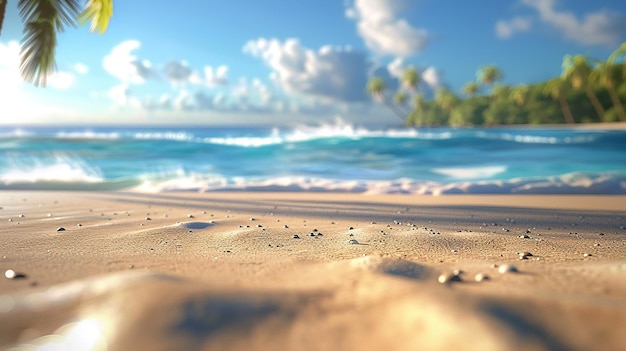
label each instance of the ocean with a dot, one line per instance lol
(337, 157)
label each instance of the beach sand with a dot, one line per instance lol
(223, 271)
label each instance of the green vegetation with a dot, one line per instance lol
(43, 20)
(587, 91)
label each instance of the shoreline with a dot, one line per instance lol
(596, 125)
(224, 270)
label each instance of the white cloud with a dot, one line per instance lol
(603, 27)
(177, 72)
(119, 94)
(505, 29)
(216, 76)
(10, 78)
(81, 68)
(383, 31)
(61, 80)
(122, 64)
(432, 77)
(396, 67)
(338, 74)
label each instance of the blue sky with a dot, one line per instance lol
(280, 61)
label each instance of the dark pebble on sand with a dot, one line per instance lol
(296, 236)
(60, 229)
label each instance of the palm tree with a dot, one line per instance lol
(489, 75)
(445, 99)
(608, 76)
(576, 70)
(471, 89)
(376, 87)
(501, 91)
(615, 56)
(418, 101)
(411, 78)
(519, 94)
(555, 88)
(43, 19)
(399, 98)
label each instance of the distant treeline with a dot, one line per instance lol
(588, 91)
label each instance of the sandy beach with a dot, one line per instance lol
(311, 271)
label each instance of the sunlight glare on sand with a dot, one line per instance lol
(84, 335)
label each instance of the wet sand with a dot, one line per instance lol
(311, 271)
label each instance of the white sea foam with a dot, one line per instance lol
(59, 168)
(174, 136)
(565, 184)
(536, 139)
(339, 129)
(471, 172)
(88, 135)
(16, 133)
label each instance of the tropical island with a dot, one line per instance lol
(588, 91)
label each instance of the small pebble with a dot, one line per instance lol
(9, 274)
(523, 236)
(353, 241)
(586, 255)
(480, 277)
(296, 236)
(507, 268)
(190, 216)
(286, 226)
(60, 229)
(447, 278)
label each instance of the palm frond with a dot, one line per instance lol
(42, 21)
(37, 52)
(3, 7)
(98, 12)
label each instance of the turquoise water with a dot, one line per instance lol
(337, 157)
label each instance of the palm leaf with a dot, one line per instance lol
(43, 20)
(3, 7)
(98, 12)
